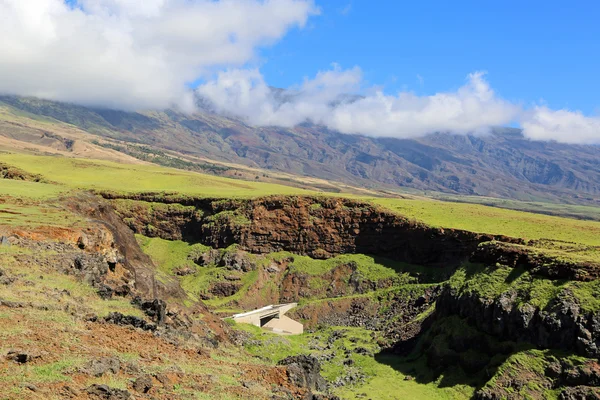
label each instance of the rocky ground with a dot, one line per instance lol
(88, 310)
(81, 316)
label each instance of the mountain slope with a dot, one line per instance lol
(503, 164)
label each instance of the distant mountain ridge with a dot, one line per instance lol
(503, 164)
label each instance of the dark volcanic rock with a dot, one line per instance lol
(155, 309)
(129, 320)
(232, 260)
(92, 267)
(225, 289)
(105, 292)
(561, 325)
(305, 371)
(143, 384)
(21, 357)
(580, 393)
(108, 393)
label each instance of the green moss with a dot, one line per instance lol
(384, 376)
(170, 254)
(234, 217)
(492, 282)
(370, 268)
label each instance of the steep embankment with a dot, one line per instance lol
(317, 227)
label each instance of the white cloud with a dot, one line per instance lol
(132, 53)
(141, 54)
(565, 126)
(245, 94)
(472, 108)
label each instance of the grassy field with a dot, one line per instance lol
(105, 175)
(564, 210)
(498, 221)
(30, 190)
(32, 204)
(72, 173)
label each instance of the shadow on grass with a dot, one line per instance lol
(424, 274)
(452, 353)
(515, 274)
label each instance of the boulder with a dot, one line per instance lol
(129, 320)
(101, 366)
(107, 393)
(143, 384)
(22, 357)
(305, 371)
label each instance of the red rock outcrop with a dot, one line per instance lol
(313, 226)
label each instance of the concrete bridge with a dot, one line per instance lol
(272, 318)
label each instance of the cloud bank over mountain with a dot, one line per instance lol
(144, 54)
(132, 54)
(322, 100)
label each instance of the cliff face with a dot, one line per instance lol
(563, 324)
(325, 227)
(317, 227)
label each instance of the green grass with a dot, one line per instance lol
(30, 190)
(169, 254)
(56, 371)
(387, 382)
(384, 379)
(33, 204)
(530, 363)
(31, 215)
(491, 282)
(497, 221)
(558, 209)
(111, 176)
(367, 266)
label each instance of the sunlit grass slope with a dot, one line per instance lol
(72, 173)
(483, 219)
(31, 204)
(31, 190)
(106, 175)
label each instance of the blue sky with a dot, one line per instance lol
(429, 66)
(532, 50)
